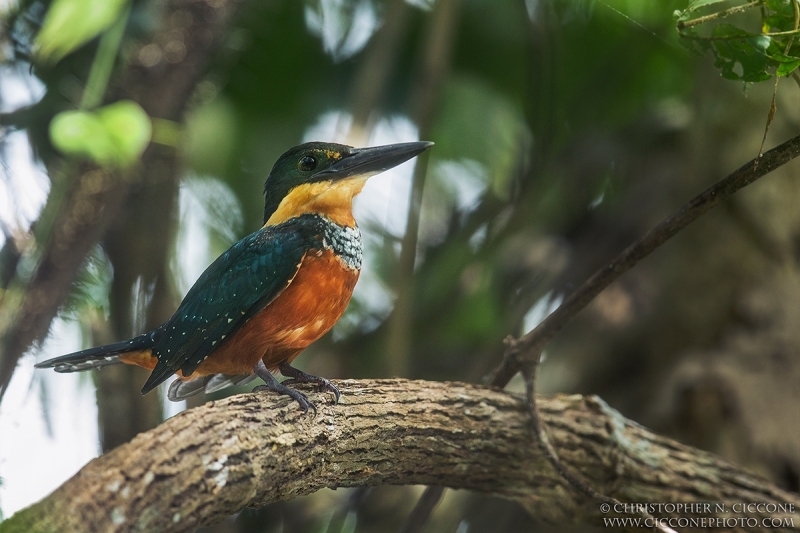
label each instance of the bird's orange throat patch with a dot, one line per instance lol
(334, 200)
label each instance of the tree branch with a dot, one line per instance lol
(253, 449)
(530, 346)
(526, 352)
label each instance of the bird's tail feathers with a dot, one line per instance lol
(180, 389)
(97, 357)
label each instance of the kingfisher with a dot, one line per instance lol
(273, 293)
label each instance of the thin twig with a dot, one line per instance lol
(773, 108)
(530, 371)
(738, 37)
(530, 345)
(525, 354)
(718, 15)
(103, 64)
(528, 349)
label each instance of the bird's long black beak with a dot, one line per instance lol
(371, 161)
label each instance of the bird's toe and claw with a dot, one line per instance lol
(296, 395)
(298, 376)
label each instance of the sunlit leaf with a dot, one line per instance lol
(128, 127)
(71, 23)
(114, 135)
(80, 133)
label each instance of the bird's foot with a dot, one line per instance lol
(298, 376)
(298, 396)
(273, 385)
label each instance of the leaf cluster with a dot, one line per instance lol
(741, 54)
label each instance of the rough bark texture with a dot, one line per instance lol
(252, 449)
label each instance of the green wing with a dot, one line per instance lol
(239, 284)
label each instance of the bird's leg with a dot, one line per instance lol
(272, 384)
(298, 376)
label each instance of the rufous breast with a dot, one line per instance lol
(306, 310)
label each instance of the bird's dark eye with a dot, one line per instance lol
(307, 163)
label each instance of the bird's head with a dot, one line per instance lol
(323, 178)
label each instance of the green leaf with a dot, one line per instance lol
(779, 17)
(69, 24)
(729, 30)
(784, 7)
(787, 67)
(691, 41)
(689, 12)
(80, 133)
(128, 127)
(115, 135)
(741, 55)
(786, 63)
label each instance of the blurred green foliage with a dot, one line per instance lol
(742, 54)
(71, 23)
(115, 134)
